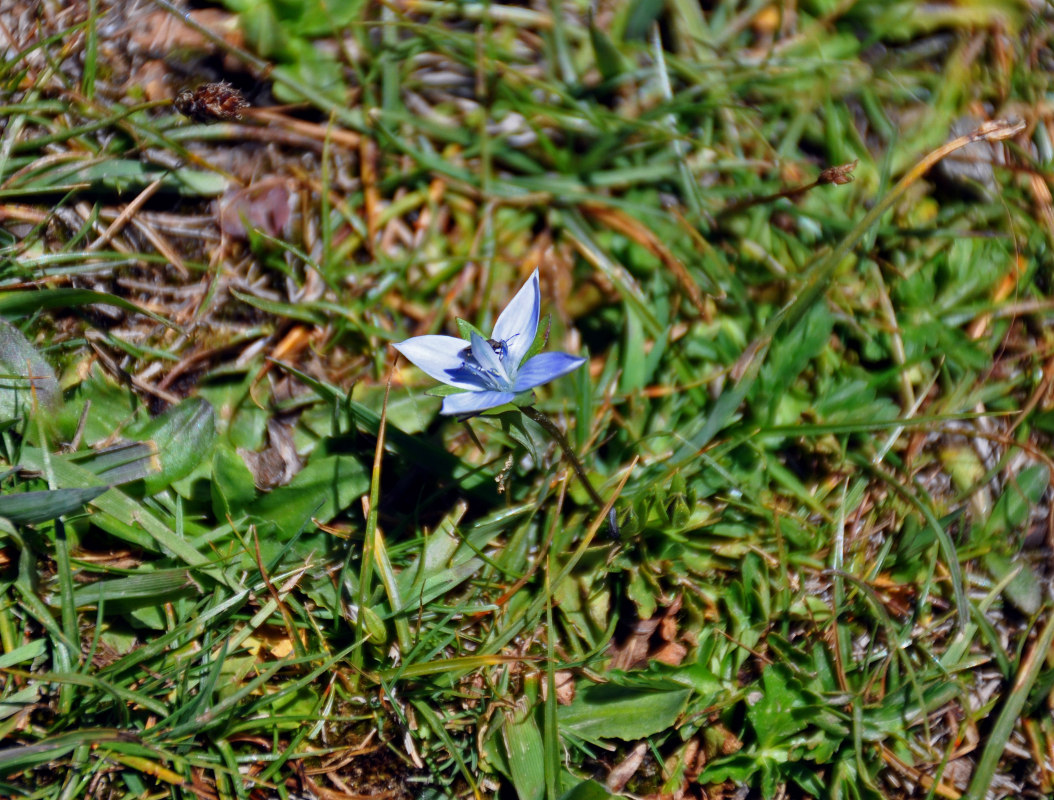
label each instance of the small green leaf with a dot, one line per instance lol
(780, 713)
(633, 355)
(608, 59)
(1014, 506)
(541, 338)
(465, 329)
(268, 37)
(199, 183)
(641, 16)
(232, 484)
(18, 701)
(288, 310)
(374, 626)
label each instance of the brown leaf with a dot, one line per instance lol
(626, 769)
(656, 639)
(266, 205)
(161, 32)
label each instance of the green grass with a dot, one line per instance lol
(236, 563)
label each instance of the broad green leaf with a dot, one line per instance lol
(587, 790)
(28, 508)
(26, 379)
(1023, 589)
(18, 701)
(122, 462)
(320, 491)
(183, 436)
(1016, 503)
(18, 303)
(155, 586)
(29, 651)
(782, 710)
(524, 750)
(610, 711)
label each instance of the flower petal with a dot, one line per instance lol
(474, 402)
(485, 356)
(440, 357)
(545, 367)
(518, 322)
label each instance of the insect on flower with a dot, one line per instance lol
(501, 348)
(494, 371)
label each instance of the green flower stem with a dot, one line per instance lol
(554, 430)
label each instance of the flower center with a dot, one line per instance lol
(493, 379)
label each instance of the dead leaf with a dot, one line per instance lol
(161, 32)
(266, 205)
(626, 769)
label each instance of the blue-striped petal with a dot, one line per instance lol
(441, 358)
(518, 322)
(474, 402)
(543, 368)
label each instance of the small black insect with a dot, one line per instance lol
(211, 102)
(499, 347)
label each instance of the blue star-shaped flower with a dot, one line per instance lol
(492, 371)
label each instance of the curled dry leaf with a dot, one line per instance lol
(626, 769)
(161, 33)
(565, 687)
(654, 639)
(279, 463)
(266, 205)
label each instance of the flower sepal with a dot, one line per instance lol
(442, 390)
(524, 399)
(465, 329)
(541, 338)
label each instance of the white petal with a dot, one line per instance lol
(518, 323)
(440, 357)
(474, 402)
(545, 367)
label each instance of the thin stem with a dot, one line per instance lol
(554, 430)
